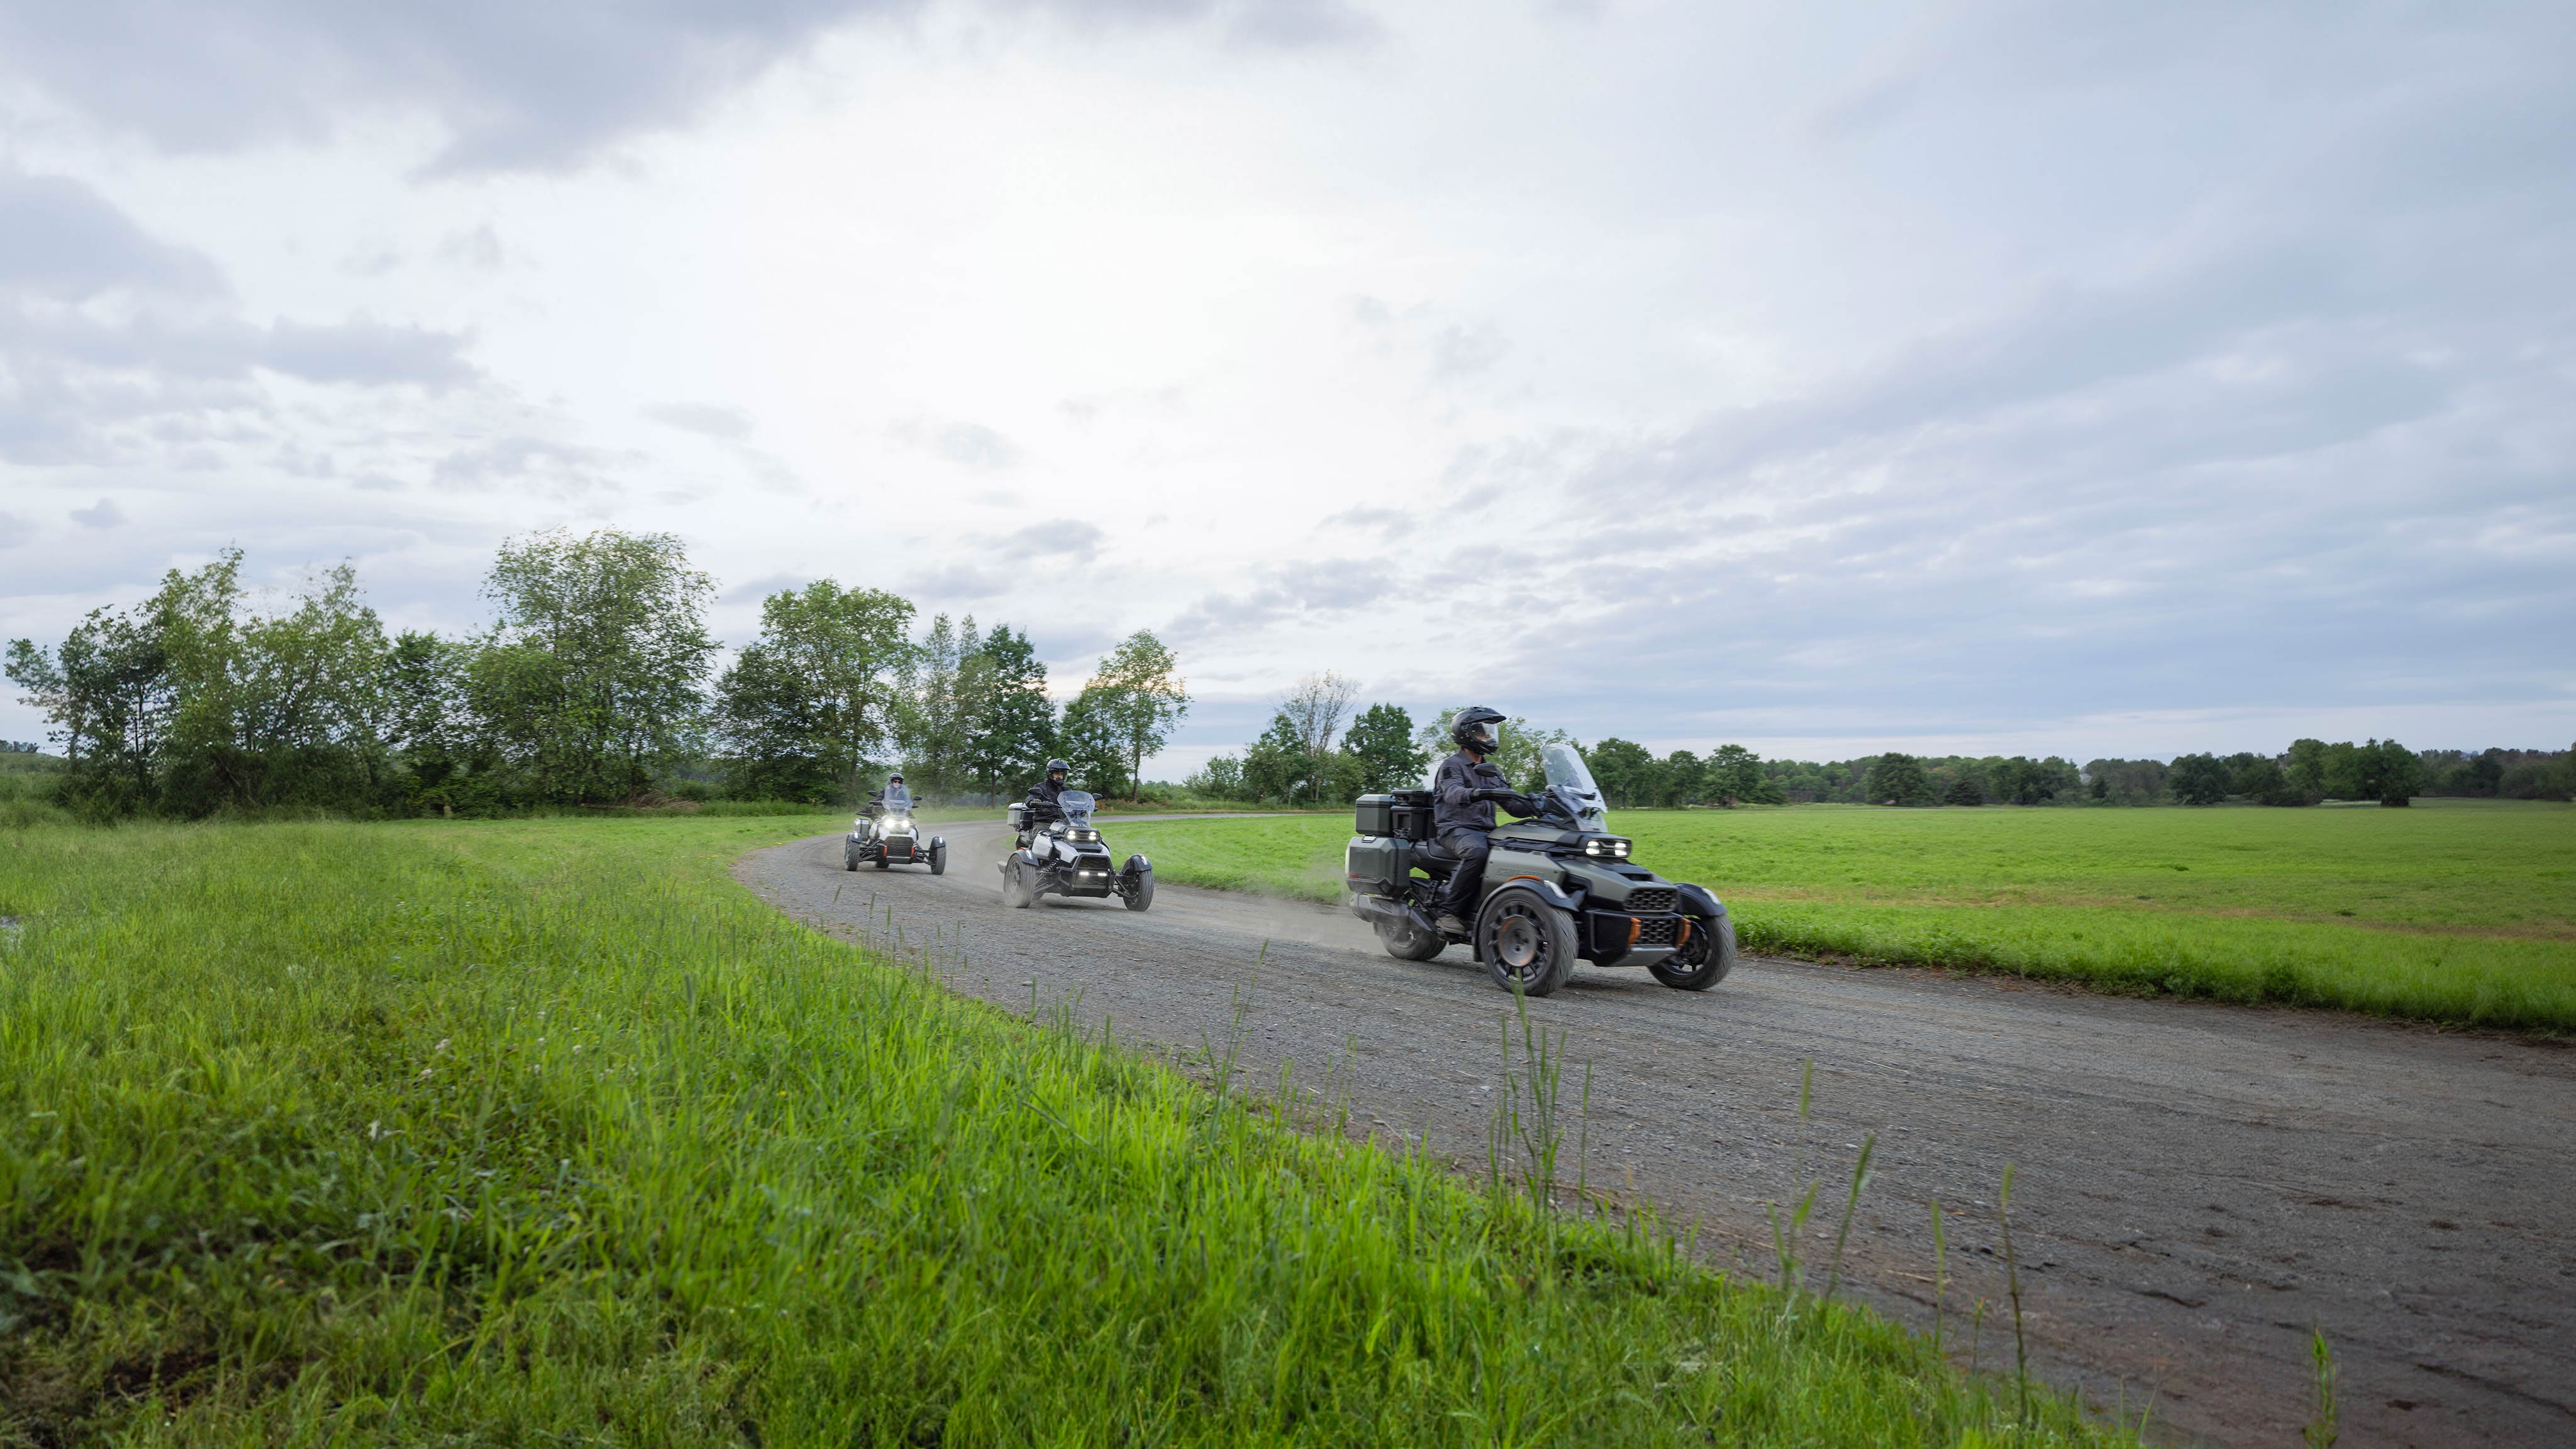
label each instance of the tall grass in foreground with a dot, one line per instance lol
(544, 1131)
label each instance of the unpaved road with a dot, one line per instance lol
(2194, 1185)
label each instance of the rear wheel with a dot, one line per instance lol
(1017, 893)
(1524, 942)
(1703, 960)
(1405, 943)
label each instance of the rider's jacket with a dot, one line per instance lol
(1043, 806)
(1452, 805)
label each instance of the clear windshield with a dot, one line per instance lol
(897, 798)
(1566, 770)
(1076, 806)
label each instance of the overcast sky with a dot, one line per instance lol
(2081, 379)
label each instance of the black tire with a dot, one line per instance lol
(1703, 960)
(1011, 896)
(1141, 897)
(849, 859)
(1404, 943)
(939, 857)
(1524, 942)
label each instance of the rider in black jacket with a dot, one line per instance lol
(1463, 795)
(1043, 804)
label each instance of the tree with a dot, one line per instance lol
(1142, 698)
(1092, 738)
(2390, 773)
(930, 722)
(815, 696)
(1380, 744)
(1681, 778)
(2198, 779)
(589, 683)
(1897, 779)
(1004, 712)
(1275, 766)
(1314, 711)
(1964, 791)
(1732, 774)
(108, 693)
(1627, 774)
(1219, 779)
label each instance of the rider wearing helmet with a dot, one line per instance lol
(1043, 802)
(1464, 792)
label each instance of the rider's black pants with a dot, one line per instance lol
(1471, 848)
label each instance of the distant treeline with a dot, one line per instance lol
(1305, 757)
(595, 685)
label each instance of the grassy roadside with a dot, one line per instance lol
(2460, 912)
(511, 1132)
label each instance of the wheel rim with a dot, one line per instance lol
(1520, 945)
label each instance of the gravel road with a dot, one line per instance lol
(2194, 1185)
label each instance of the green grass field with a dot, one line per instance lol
(2453, 911)
(546, 1132)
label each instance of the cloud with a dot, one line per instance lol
(526, 463)
(102, 514)
(112, 340)
(968, 445)
(1066, 538)
(479, 248)
(710, 419)
(15, 530)
(367, 353)
(515, 87)
(1326, 586)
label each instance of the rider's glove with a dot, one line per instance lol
(1495, 797)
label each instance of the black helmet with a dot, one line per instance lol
(895, 779)
(1473, 729)
(1058, 767)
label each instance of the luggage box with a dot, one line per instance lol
(1375, 815)
(1377, 865)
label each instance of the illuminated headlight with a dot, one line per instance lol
(1087, 837)
(898, 822)
(1606, 847)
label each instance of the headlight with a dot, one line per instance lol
(898, 822)
(1087, 837)
(1606, 847)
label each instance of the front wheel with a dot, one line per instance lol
(1525, 943)
(939, 857)
(1404, 942)
(849, 857)
(1703, 960)
(1140, 894)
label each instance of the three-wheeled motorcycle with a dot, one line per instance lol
(1068, 858)
(885, 835)
(1558, 888)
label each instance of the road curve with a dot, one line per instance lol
(2194, 1185)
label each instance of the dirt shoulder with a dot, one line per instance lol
(2194, 1185)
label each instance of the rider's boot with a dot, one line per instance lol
(1451, 926)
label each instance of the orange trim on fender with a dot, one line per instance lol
(1634, 926)
(1684, 938)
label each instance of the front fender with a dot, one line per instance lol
(1550, 891)
(1700, 901)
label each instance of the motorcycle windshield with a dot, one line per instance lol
(1076, 806)
(898, 798)
(1566, 771)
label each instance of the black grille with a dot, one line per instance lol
(1646, 899)
(1659, 930)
